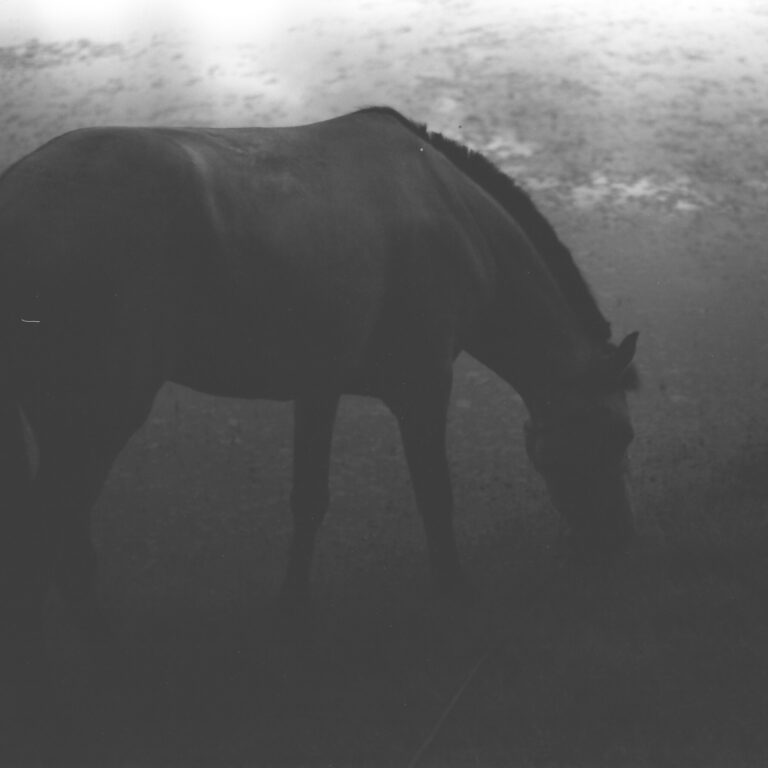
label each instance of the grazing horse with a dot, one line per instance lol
(357, 255)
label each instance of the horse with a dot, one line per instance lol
(359, 255)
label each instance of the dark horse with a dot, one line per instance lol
(358, 255)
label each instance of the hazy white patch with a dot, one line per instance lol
(686, 206)
(757, 184)
(600, 190)
(538, 184)
(232, 21)
(205, 21)
(446, 106)
(509, 145)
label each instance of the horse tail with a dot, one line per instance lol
(15, 466)
(24, 668)
(15, 470)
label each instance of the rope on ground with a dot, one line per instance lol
(427, 743)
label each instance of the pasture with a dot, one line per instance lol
(641, 135)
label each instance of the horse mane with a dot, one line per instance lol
(521, 207)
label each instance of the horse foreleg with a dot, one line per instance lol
(312, 435)
(422, 419)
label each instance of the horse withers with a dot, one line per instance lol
(357, 255)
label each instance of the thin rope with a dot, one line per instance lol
(447, 711)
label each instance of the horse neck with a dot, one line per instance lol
(532, 337)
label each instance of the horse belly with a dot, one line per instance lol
(272, 359)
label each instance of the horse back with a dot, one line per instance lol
(251, 261)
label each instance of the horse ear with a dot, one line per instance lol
(620, 362)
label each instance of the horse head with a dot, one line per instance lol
(578, 440)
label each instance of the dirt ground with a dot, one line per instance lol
(640, 129)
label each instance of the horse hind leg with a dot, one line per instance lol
(77, 447)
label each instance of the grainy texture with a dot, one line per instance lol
(642, 137)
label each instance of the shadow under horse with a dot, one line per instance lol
(357, 255)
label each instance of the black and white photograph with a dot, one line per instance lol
(383, 384)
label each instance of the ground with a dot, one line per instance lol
(640, 131)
